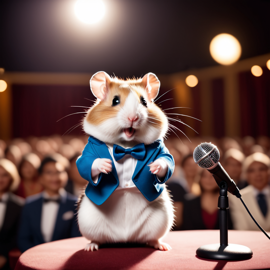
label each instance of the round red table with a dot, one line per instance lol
(70, 254)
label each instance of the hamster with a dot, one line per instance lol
(125, 114)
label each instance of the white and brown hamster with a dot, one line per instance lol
(126, 198)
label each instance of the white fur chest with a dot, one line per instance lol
(126, 216)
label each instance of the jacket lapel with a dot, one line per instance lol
(59, 222)
(37, 220)
(150, 150)
(102, 151)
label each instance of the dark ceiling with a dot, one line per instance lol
(135, 36)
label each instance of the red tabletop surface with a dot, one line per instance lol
(70, 254)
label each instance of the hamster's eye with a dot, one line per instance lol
(116, 101)
(143, 101)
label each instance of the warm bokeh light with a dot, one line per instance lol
(3, 85)
(256, 71)
(225, 49)
(191, 80)
(2, 70)
(89, 11)
(268, 64)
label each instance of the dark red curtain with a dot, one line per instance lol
(218, 107)
(37, 108)
(254, 103)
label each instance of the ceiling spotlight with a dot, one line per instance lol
(268, 64)
(89, 11)
(256, 71)
(3, 85)
(225, 49)
(191, 81)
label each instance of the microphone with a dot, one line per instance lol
(206, 155)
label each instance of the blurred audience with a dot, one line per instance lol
(29, 176)
(179, 187)
(192, 190)
(76, 184)
(14, 154)
(232, 162)
(10, 209)
(256, 196)
(49, 215)
(201, 212)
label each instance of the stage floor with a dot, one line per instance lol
(70, 254)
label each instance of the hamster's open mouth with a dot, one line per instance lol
(129, 132)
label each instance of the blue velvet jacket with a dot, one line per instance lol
(145, 181)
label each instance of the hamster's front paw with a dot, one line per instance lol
(159, 167)
(91, 246)
(159, 245)
(103, 165)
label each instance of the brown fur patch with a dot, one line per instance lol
(104, 110)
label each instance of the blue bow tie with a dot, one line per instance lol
(138, 151)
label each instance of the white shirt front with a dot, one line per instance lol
(125, 168)
(3, 206)
(48, 216)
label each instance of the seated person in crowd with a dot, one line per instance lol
(28, 170)
(76, 184)
(256, 196)
(201, 212)
(10, 209)
(50, 215)
(179, 187)
(232, 161)
(14, 154)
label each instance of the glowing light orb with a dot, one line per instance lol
(3, 85)
(89, 11)
(225, 49)
(191, 81)
(256, 71)
(268, 64)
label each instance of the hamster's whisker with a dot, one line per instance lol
(176, 108)
(153, 118)
(163, 94)
(71, 129)
(75, 106)
(164, 101)
(184, 116)
(180, 131)
(69, 115)
(170, 129)
(179, 121)
(89, 99)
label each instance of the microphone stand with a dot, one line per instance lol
(224, 251)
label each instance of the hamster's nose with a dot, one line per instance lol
(133, 119)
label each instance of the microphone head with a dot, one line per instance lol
(206, 155)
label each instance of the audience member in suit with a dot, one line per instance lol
(201, 212)
(28, 170)
(76, 184)
(10, 209)
(50, 215)
(233, 162)
(256, 196)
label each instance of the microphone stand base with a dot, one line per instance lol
(232, 252)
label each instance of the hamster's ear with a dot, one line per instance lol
(99, 84)
(151, 83)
